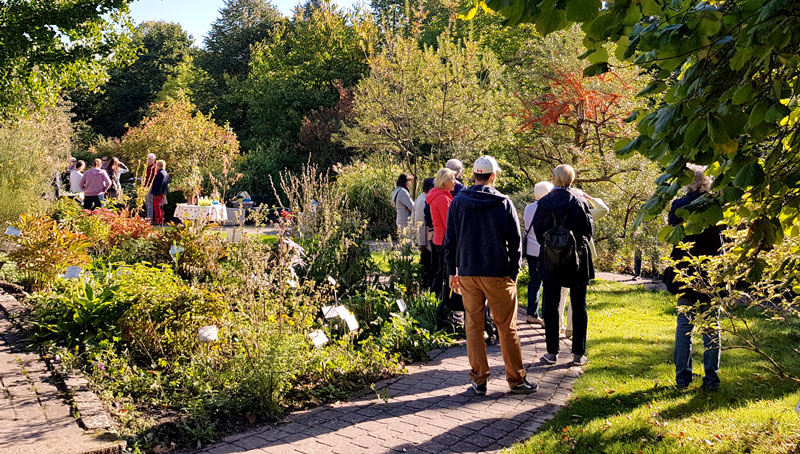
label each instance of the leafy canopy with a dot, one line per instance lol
(46, 46)
(726, 79)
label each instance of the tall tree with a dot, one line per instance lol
(50, 46)
(420, 103)
(300, 68)
(162, 48)
(226, 57)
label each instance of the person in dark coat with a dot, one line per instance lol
(690, 303)
(159, 191)
(567, 205)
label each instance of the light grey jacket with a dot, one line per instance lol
(401, 200)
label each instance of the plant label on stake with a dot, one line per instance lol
(73, 272)
(208, 333)
(329, 311)
(342, 312)
(352, 323)
(332, 281)
(12, 231)
(318, 338)
(174, 251)
(401, 304)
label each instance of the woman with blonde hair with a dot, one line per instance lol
(159, 191)
(563, 226)
(439, 199)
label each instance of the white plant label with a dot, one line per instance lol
(329, 311)
(342, 312)
(12, 231)
(352, 323)
(292, 283)
(332, 281)
(318, 337)
(175, 250)
(208, 333)
(797, 408)
(401, 304)
(73, 272)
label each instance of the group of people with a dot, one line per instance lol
(102, 182)
(471, 248)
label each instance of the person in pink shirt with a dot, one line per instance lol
(94, 184)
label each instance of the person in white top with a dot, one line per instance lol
(402, 202)
(531, 251)
(75, 176)
(423, 240)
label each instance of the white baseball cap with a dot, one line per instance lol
(486, 165)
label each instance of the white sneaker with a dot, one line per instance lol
(534, 320)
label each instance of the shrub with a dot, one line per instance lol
(122, 226)
(199, 249)
(44, 249)
(65, 210)
(368, 187)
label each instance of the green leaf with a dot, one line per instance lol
(650, 8)
(693, 131)
(776, 113)
(595, 69)
(757, 114)
(550, 19)
(619, 144)
(582, 10)
(731, 194)
(748, 176)
(654, 87)
(716, 130)
(599, 56)
(742, 94)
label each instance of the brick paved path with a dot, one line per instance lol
(431, 409)
(34, 419)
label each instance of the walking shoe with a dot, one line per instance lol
(549, 358)
(523, 388)
(534, 320)
(579, 360)
(479, 389)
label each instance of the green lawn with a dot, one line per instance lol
(625, 402)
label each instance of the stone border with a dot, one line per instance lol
(86, 405)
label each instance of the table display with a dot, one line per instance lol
(211, 213)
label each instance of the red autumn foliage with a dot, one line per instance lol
(572, 101)
(122, 225)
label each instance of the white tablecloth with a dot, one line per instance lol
(213, 213)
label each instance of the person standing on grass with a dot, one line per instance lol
(149, 175)
(159, 191)
(421, 231)
(564, 227)
(482, 255)
(690, 302)
(94, 184)
(458, 167)
(401, 199)
(531, 250)
(75, 176)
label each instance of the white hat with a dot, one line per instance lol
(486, 165)
(454, 165)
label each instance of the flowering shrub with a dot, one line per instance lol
(44, 249)
(122, 226)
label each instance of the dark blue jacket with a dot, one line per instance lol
(458, 188)
(160, 183)
(572, 208)
(482, 237)
(708, 242)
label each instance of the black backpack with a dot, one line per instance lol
(559, 253)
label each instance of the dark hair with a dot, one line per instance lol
(79, 164)
(402, 180)
(481, 177)
(427, 184)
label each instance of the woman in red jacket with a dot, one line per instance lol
(439, 199)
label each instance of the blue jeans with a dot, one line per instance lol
(683, 346)
(534, 284)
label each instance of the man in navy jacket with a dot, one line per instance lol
(482, 257)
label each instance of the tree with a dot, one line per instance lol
(226, 57)
(298, 69)
(162, 49)
(727, 78)
(190, 142)
(50, 46)
(420, 103)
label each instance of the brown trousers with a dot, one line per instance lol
(501, 292)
